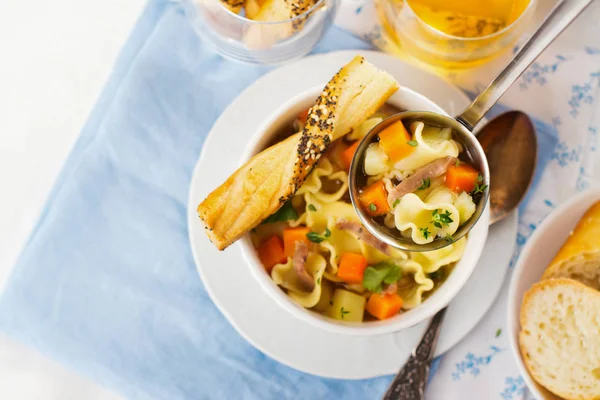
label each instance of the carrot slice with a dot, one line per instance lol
(271, 252)
(303, 116)
(352, 268)
(461, 178)
(394, 141)
(291, 236)
(373, 199)
(348, 154)
(384, 306)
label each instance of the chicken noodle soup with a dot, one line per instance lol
(318, 252)
(417, 179)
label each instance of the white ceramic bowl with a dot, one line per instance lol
(404, 99)
(540, 249)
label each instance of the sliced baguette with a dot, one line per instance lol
(560, 337)
(261, 186)
(579, 257)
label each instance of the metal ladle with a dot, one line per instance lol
(462, 126)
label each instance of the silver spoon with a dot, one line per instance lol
(462, 126)
(508, 139)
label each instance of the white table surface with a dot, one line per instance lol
(55, 57)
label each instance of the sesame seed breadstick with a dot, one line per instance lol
(263, 36)
(234, 6)
(261, 186)
(252, 8)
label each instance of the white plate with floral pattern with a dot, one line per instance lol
(252, 312)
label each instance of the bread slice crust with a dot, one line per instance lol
(579, 257)
(559, 337)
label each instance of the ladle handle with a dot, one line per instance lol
(559, 18)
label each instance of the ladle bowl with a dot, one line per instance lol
(471, 147)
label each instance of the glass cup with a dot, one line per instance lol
(255, 42)
(455, 34)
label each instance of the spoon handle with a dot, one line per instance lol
(409, 383)
(559, 18)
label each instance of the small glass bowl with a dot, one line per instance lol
(405, 32)
(254, 42)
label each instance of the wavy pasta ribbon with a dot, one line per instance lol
(432, 143)
(284, 276)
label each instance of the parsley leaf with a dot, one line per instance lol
(312, 208)
(425, 232)
(479, 188)
(441, 218)
(343, 312)
(395, 203)
(498, 332)
(372, 207)
(449, 238)
(318, 280)
(379, 274)
(425, 183)
(314, 237)
(285, 213)
(436, 275)
(412, 143)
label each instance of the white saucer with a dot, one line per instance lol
(262, 322)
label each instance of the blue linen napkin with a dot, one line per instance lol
(107, 284)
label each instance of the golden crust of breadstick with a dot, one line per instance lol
(261, 186)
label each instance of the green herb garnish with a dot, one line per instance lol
(425, 183)
(425, 232)
(498, 332)
(343, 312)
(457, 163)
(314, 237)
(412, 143)
(395, 203)
(436, 275)
(372, 207)
(319, 281)
(312, 208)
(285, 213)
(379, 274)
(479, 188)
(449, 238)
(439, 219)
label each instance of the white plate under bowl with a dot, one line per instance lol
(539, 251)
(253, 313)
